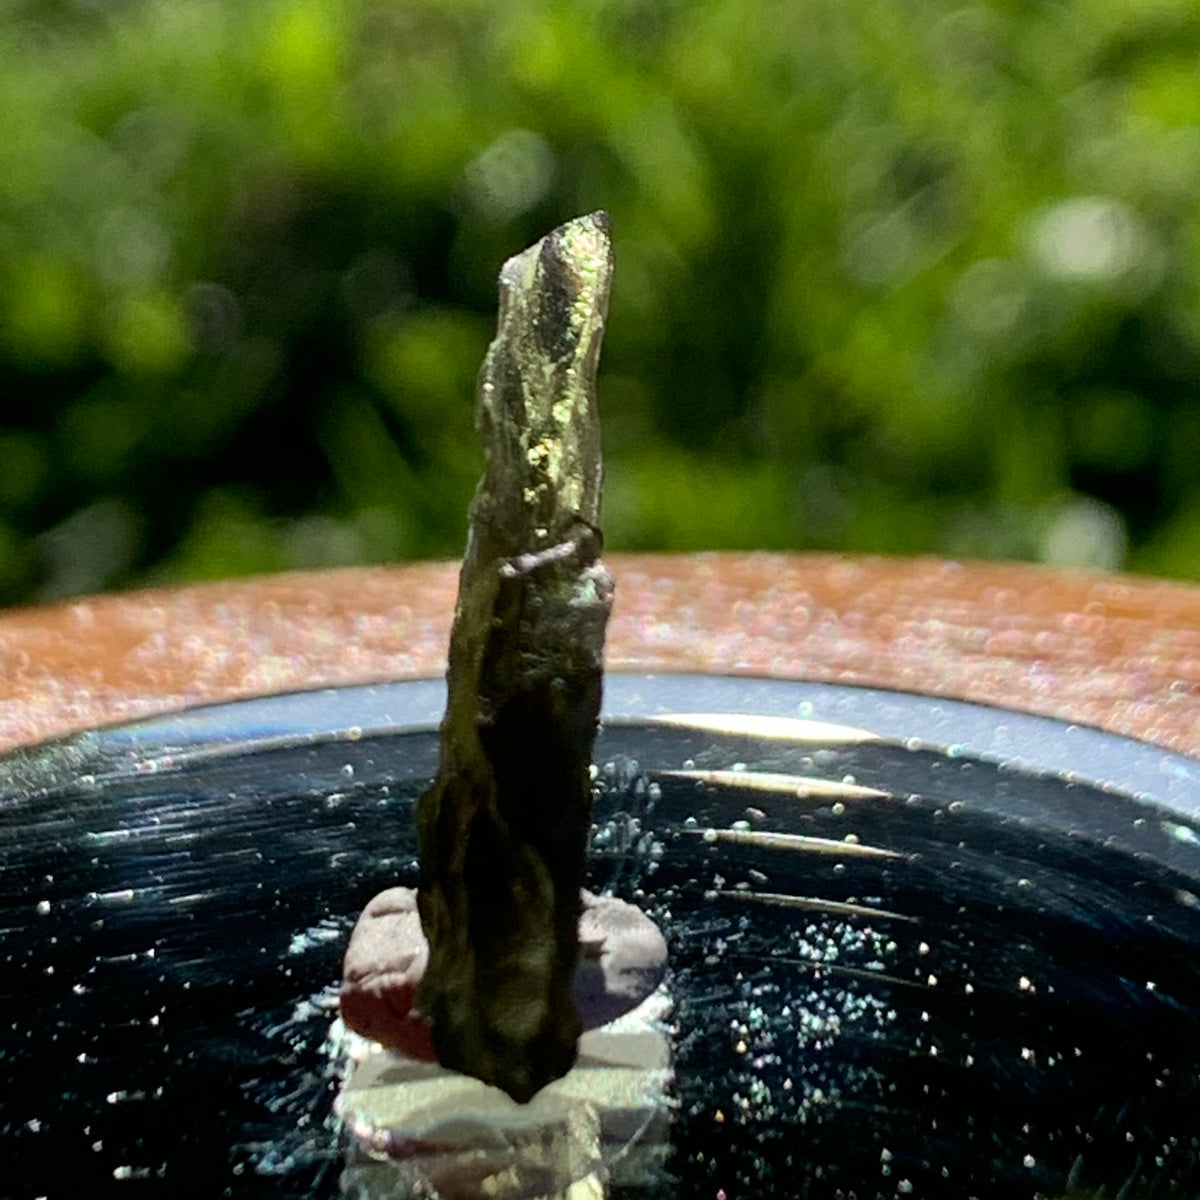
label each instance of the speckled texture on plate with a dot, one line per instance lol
(1114, 651)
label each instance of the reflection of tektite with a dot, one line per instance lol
(414, 1126)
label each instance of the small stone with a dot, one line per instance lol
(623, 959)
(384, 964)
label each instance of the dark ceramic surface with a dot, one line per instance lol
(1020, 1016)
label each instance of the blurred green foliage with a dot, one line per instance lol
(891, 277)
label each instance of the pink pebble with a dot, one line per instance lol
(623, 958)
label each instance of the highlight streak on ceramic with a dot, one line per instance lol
(793, 841)
(783, 729)
(839, 908)
(820, 967)
(800, 786)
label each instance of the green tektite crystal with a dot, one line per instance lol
(503, 829)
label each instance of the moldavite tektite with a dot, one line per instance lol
(503, 830)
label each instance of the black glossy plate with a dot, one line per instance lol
(953, 953)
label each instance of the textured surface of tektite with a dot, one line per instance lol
(503, 829)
